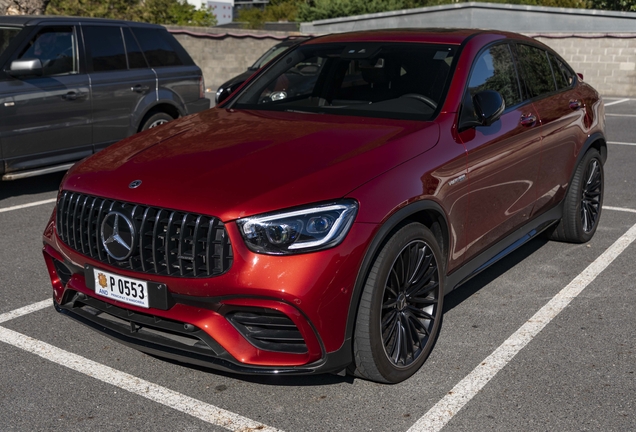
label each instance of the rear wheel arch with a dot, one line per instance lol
(428, 213)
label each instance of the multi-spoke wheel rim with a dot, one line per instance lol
(157, 123)
(410, 304)
(591, 195)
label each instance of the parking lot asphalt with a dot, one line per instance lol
(542, 340)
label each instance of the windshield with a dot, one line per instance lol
(392, 80)
(6, 34)
(269, 54)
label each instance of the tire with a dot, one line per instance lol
(583, 202)
(155, 120)
(404, 291)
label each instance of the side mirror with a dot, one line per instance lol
(489, 105)
(20, 68)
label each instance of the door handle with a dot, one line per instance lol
(575, 104)
(528, 120)
(139, 88)
(71, 96)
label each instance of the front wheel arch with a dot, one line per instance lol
(428, 213)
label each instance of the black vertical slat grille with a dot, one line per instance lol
(166, 242)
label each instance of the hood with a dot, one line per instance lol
(232, 164)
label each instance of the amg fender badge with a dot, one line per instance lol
(459, 179)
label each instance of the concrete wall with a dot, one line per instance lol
(222, 55)
(607, 61)
(495, 16)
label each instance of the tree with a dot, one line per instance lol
(173, 12)
(23, 7)
(617, 5)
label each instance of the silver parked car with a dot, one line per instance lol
(72, 86)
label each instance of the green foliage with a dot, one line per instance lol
(617, 5)
(276, 10)
(172, 12)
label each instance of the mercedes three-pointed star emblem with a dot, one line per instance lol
(118, 238)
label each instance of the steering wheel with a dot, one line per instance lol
(427, 100)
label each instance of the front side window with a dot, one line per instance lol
(55, 47)
(392, 80)
(537, 74)
(494, 69)
(106, 48)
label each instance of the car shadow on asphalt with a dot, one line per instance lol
(465, 291)
(31, 185)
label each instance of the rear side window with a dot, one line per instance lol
(55, 47)
(158, 47)
(135, 55)
(495, 70)
(563, 76)
(105, 47)
(536, 71)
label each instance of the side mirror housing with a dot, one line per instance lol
(489, 105)
(25, 67)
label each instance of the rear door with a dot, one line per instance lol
(179, 78)
(562, 115)
(121, 81)
(45, 120)
(503, 158)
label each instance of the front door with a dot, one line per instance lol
(45, 120)
(503, 158)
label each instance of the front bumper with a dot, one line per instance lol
(312, 292)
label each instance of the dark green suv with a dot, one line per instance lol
(72, 86)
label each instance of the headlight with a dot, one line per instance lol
(303, 230)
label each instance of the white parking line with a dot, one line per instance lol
(616, 102)
(36, 203)
(442, 412)
(620, 115)
(25, 310)
(621, 143)
(170, 398)
(623, 209)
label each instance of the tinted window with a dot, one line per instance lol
(6, 34)
(495, 70)
(561, 82)
(106, 48)
(560, 69)
(135, 56)
(157, 47)
(537, 74)
(55, 47)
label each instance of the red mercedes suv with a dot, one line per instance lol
(315, 220)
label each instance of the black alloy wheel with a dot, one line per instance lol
(409, 303)
(583, 202)
(400, 311)
(591, 194)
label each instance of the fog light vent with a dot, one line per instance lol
(63, 272)
(269, 330)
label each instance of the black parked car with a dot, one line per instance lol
(71, 86)
(228, 87)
